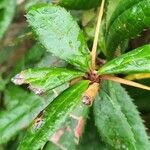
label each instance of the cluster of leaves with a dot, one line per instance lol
(58, 70)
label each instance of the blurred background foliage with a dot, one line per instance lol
(19, 50)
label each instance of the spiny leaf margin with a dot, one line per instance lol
(59, 33)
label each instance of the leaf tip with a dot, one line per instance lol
(18, 79)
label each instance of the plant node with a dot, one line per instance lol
(93, 77)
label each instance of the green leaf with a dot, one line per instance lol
(135, 61)
(79, 4)
(34, 55)
(54, 116)
(44, 79)
(51, 61)
(59, 34)
(91, 139)
(51, 146)
(112, 124)
(121, 7)
(128, 25)
(111, 7)
(7, 10)
(131, 113)
(24, 108)
(71, 130)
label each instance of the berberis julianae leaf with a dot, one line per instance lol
(122, 6)
(112, 124)
(71, 130)
(128, 25)
(44, 79)
(59, 34)
(54, 116)
(135, 61)
(7, 10)
(131, 113)
(79, 4)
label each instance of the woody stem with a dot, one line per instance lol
(94, 48)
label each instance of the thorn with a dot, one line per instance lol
(126, 82)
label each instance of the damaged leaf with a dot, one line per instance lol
(54, 116)
(43, 79)
(72, 129)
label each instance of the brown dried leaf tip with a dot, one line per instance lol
(18, 79)
(37, 91)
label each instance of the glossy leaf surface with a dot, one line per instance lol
(44, 79)
(121, 7)
(135, 61)
(54, 116)
(112, 124)
(128, 25)
(79, 4)
(59, 34)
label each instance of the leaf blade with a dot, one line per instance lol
(71, 130)
(111, 122)
(44, 79)
(136, 61)
(131, 113)
(66, 42)
(121, 7)
(79, 4)
(128, 25)
(52, 118)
